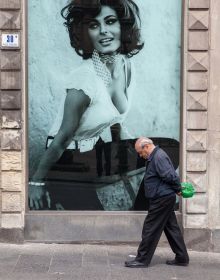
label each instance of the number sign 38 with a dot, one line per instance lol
(10, 40)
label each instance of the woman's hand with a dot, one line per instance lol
(39, 198)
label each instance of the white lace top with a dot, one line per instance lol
(101, 112)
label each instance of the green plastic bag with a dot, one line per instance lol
(187, 190)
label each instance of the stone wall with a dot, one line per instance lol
(200, 154)
(195, 107)
(200, 129)
(12, 125)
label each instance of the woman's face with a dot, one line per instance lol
(105, 31)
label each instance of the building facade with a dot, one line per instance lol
(199, 141)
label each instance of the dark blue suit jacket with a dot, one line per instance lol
(160, 177)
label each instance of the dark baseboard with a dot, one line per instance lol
(107, 229)
(202, 239)
(12, 235)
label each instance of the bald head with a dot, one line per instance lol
(144, 146)
(142, 141)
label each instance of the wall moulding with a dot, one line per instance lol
(196, 140)
(199, 180)
(198, 40)
(199, 4)
(196, 161)
(197, 81)
(198, 20)
(197, 101)
(10, 4)
(198, 61)
(197, 120)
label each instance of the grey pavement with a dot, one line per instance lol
(32, 261)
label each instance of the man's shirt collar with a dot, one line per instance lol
(152, 154)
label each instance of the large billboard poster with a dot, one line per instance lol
(101, 73)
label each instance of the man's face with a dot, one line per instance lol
(143, 152)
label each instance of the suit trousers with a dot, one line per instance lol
(161, 217)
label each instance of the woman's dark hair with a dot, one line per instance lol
(77, 11)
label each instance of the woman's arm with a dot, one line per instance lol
(75, 105)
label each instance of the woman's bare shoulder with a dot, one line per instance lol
(81, 80)
(77, 96)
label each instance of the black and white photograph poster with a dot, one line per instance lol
(101, 73)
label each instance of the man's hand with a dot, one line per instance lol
(38, 195)
(179, 193)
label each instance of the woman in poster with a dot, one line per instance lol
(105, 33)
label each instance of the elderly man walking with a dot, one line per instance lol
(161, 184)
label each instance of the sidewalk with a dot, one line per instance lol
(98, 262)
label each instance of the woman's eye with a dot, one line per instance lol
(93, 25)
(111, 21)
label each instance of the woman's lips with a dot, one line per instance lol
(105, 41)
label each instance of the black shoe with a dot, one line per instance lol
(175, 262)
(135, 263)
